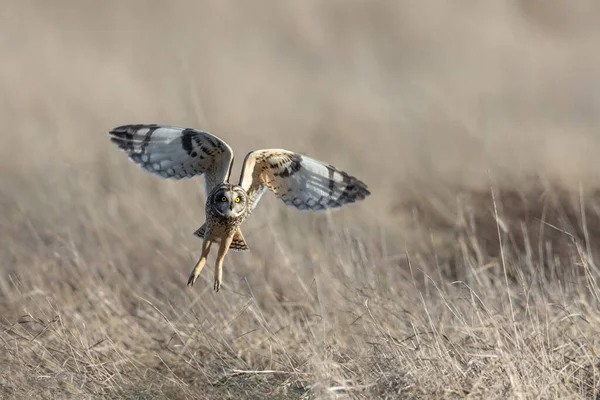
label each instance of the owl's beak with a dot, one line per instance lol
(229, 211)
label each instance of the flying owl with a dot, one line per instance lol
(301, 182)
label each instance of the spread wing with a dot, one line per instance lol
(174, 152)
(299, 181)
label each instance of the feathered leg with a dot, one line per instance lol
(200, 264)
(219, 265)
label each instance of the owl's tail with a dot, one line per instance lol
(200, 231)
(238, 243)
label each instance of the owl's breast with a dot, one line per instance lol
(224, 226)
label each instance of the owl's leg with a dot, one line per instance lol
(219, 264)
(201, 262)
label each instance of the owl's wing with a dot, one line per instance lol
(299, 181)
(174, 152)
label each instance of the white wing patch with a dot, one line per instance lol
(176, 153)
(299, 181)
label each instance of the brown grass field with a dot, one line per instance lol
(470, 272)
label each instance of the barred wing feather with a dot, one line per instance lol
(175, 152)
(299, 181)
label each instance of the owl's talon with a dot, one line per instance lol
(191, 280)
(193, 276)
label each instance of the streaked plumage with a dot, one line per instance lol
(299, 181)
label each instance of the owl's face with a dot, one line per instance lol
(229, 201)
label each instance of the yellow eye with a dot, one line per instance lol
(223, 199)
(237, 199)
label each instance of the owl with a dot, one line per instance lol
(176, 153)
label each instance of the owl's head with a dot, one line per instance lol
(228, 200)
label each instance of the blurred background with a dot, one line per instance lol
(418, 100)
(445, 91)
(421, 100)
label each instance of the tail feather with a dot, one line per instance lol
(238, 243)
(200, 231)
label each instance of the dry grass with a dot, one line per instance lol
(470, 271)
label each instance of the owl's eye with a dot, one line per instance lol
(223, 199)
(237, 199)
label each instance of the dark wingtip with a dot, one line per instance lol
(362, 188)
(122, 137)
(118, 141)
(119, 130)
(129, 129)
(356, 190)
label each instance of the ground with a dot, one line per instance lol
(469, 272)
